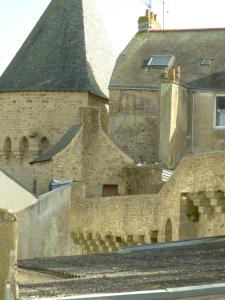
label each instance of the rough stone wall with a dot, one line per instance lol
(66, 165)
(145, 179)
(32, 116)
(134, 123)
(8, 242)
(91, 157)
(44, 227)
(205, 192)
(105, 224)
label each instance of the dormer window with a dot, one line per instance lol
(161, 61)
(220, 112)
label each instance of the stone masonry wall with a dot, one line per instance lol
(134, 123)
(8, 242)
(91, 158)
(145, 179)
(30, 117)
(192, 202)
(105, 224)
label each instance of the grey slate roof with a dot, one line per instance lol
(58, 147)
(68, 50)
(188, 46)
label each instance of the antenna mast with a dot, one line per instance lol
(163, 14)
(148, 3)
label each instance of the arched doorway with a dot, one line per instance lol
(168, 231)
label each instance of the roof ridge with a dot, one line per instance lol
(185, 29)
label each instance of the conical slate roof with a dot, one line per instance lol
(67, 50)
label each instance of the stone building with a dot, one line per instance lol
(166, 93)
(65, 63)
(152, 169)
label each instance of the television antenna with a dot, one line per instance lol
(163, 14)
(148, 3)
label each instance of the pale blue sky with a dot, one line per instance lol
(18, 17)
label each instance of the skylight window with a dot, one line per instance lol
(205, 61)
(161, 61)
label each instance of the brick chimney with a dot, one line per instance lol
(148, 22)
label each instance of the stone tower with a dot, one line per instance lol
(65, 63)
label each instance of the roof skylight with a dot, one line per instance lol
(205, 61)
(161, 61)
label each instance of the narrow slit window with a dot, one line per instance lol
(220, 111)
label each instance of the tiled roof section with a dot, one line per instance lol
(67, 50)
(58, 147)
(187, 45)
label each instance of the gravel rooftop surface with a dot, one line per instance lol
(137, 271)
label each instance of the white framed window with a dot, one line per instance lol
(219, 114)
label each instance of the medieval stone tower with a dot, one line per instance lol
(65, 64)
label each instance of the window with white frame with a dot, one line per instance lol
(220, 111)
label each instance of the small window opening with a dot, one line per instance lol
(118, 239)
(154, 236)
(220, 111)
(110, 190)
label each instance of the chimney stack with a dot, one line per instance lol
(148, 22)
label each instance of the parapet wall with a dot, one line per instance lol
(107, 223)
(44, 226)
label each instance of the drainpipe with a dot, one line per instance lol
(192, 120)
